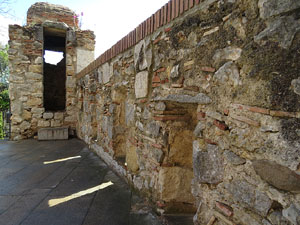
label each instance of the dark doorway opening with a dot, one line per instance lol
(54, 72)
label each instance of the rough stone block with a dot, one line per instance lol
(208, 164)
(132, 159)
(61, 133)
(285, 178)
(48, 115)
(175, 184)
(199, 98)
(268, 8)
(181, 148)
(84, 58)
(248, 195)
(228, 72)
(228, 53)
(141, 84)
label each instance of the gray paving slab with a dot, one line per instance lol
(63, 183)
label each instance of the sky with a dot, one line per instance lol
(111, 20)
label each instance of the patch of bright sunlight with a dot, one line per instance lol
(62, 160)
(52, 57)
(57, 201)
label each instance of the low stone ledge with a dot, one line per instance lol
(45, 134)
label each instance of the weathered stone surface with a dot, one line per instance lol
(153, 129)
(70, 82)
(38, 60)
(143, 55)
(175, 184)
(34, 102)
(56, 123)
(228, 53)
(84, 58)
(295, 84)
(105, 74)
(199, 98)
(53, 133)
(43, 123)
(33, 76)
(249, 196)
(199, 128)
(276, 218)
(141, 84)
(292, 214)
(281, 30)
(228, 72)
(160, 106)
(244, 218)
(132, 159)
(48, 115)
(268, 8)
(181, 149)
(37, 110)
(233, 159)
(26, 115)
(58, 115)
(35, 68)
(175, 71)
(208, 164)
(25, 125)
(285, 178)
(156, 154)
(129, 113)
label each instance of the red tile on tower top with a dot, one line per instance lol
(173, 9)
(181, 6)
(177, 8)
(191, 4)
(186, 5)
(169, 12)
(165, 14)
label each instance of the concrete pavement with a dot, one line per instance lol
(63, 183)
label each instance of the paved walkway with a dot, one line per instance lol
(63, 183)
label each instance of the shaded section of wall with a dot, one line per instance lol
(55, 86)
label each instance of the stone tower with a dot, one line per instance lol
(43, 95)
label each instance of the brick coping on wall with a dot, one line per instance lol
(163, 16)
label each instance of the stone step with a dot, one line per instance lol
(60, 133)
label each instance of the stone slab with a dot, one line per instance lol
(45, 134)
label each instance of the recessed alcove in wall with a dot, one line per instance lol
(54, 72)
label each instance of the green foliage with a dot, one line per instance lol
(4, 69)
(4, 100)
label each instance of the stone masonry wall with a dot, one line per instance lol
(26, 73)
(41, 12)
(203, 114)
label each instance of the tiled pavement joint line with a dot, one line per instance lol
(91, 203)
(37, 205)
(63, 164)
(42, 199)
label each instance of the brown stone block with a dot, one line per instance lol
(208, 69)
(168, 29)
(245, 120)
(201, 115)
(170, 117)
(220, 125)
(177, 85)
(282, 114)
(225, 209)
